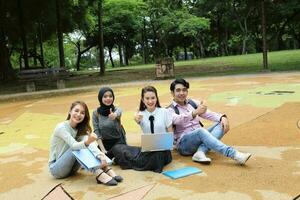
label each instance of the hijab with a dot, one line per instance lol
(104, 109)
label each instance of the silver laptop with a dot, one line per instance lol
(157, 141)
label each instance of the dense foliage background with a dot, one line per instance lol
(68, 33)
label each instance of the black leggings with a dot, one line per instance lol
(108, 144)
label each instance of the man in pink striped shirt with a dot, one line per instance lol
(189, 135)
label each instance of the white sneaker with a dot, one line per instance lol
(200, 157)
(241, 158)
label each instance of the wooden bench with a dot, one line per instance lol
(43, 75)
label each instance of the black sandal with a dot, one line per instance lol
(117, 178)
(112, 182)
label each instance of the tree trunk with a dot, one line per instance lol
(110, 57)
(166, 49)
(23, 34)
(41, 45)
(144, 42)
(35, 54)
(80, 53)
(120, 54)
(185, 53)
(59, 35)
(78, 56)
(126, 55)
(219, 32)
(226, 42)
(244, 45)
(201, 47)
(280, 45)
(101, 42)
(6, 70)
(245, 37)
(265, 53)
(196, 51)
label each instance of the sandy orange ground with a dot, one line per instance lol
(263, 110)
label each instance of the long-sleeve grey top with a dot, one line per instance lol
(106, 128)
(63, 138)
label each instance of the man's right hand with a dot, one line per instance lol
(200, 109)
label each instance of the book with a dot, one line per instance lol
(87, 159)
(182, 172)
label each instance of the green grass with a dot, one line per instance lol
(252, 63)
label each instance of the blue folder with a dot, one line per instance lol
(182, 172)
(86, 158)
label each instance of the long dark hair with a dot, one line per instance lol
(84, 126)
(148, 89)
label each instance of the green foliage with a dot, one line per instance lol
(157, 28)
(193, 25)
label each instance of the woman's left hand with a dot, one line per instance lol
(225, 124)
(112, 115)
(101, 157)
(103, 164)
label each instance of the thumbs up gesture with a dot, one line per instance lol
(201, 108)
(91, 138)
(138, 118)
(112, 115)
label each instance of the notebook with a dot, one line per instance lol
(157, 141)
(182, 172)
(86, 158)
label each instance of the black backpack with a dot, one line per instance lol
(189, 101)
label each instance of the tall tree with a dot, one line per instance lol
(101, 42)
(23, 34)
(59, 34)
(122, 24)
(6, 71)
(194, 27)
(242, 11)
(263, 24)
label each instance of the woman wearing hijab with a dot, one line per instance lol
(106, 121)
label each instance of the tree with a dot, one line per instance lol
(59, 34)
(6, 71)
(101, 42)
(122, 23)
(242, 11)
(263, 19)
(194, 26)
(23, 33)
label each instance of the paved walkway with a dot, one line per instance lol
(263, 110)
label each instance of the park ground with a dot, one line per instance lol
(264, 114)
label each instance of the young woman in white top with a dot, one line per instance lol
(74, 134)
(150, 110)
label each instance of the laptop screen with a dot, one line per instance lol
(157, 141)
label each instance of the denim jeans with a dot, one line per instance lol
(215, 130)
(65, 166)
(202, 139)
